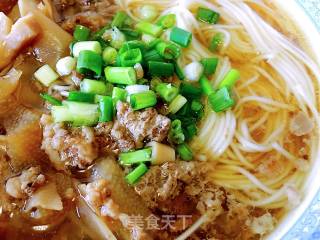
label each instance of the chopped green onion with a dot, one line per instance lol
(207, 15)
(161, 69)
(66, 65)
(81, 97)
(177, 104)
(167, 21)
(196, 105)
(83, 114)
(230, 79)
(148, 13)
(190, 91)
(46, 75)
(133, 89)
(50, 99)
(168, 50)
(190, 131)
(129, 158)
(119, 19)
(184, 152)
(130, 34)
(130, 45)
(149, 28)
(131, 57)
(153, 55)
(89, 61)
(119, 94)
(93, 46)
(206, 85)
(118, 38)
(136, 174)
(98, 35)
(216, 42)
(209, 65)
(81, 33)
(139, 71)
(109, 55)
(93, 86)
(221, 100)
(154, 43)
(121, 75)
(176, 135)
(193, 71)
(147, 39)
(181, 37)
(179, 71)
(106, 109)
(167, 92)
(143, 100)
(61, 114)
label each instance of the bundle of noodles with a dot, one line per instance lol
(257, 156)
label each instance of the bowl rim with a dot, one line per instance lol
(311, 38)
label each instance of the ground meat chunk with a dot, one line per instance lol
(75, 147)
(113, 138)
(26, 183)
(165, 182)
(91, 13)
(145, 125)
(97, 192)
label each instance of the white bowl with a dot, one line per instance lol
(303, 222)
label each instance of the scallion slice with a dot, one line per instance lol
(136, 174)
(119, 94)
(131, 57)
(143, 100)
(93, 46)
(205, 85)
(119, 19)
(106, 109)
(83, 114)
(93, 86)
(167, 92)
(179, 72)
(109, 55)
(190, 91)
(221, 100)
(129, 45)
(207, 15)
(181, 37)
(168, 50)
(89, 61)
(167, 21)
(209, 65)
(139, 156)
(81, 33)
(51, 100)
(149, 28)
(153, 55)
(121, 75)
(81, 97)
(161, 69)
(61, 114)
(184, 152)
(177, 104)
(230, 79)
(216, 42)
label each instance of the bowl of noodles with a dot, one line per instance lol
(159, 119)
